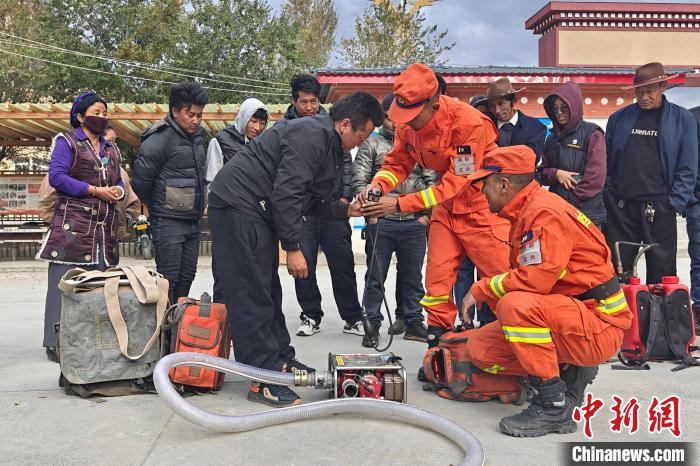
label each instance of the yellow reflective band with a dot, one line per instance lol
(389, 176)
(429, 301)
(494, 369)
(613, 304)
(496, 284)
(428, 196)
(581, 217)
(562, 274)
(534, 335)
(533, 341)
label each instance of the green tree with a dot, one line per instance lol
(314, 22)
(388, 35)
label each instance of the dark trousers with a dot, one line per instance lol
(335, 237)
(176, 245)
(218, 286)
(693, 226)
(407, 239)
(247, 259)
(627, 222)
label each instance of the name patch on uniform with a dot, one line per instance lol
(464, 165)
(530, 251)
(463, 150)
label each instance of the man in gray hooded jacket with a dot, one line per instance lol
(250, 122)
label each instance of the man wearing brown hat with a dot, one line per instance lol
(514, 127)
(450, 137)
(652, 159)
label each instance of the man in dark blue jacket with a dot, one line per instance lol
(652, 164)
(514, 127)
(333, 235)
(169, 177)
(693, 226)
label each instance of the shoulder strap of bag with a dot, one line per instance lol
(149, 287)
(655, 316)
(78, 279)
(673, 335)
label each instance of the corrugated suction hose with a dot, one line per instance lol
(474, 452)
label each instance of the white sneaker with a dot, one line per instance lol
(308, 327)
(355, 328)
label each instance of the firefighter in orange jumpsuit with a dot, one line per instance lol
(560, 302)
(450, 137)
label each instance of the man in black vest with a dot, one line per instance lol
(250, 123)
(333, 235)
(260, 197)
(168, 177)
(514, 127)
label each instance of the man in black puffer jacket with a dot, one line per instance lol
(169, 177)
(334, 236)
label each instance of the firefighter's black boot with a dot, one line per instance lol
(576, 379)
(549, 412)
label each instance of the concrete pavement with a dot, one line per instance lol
(39, 424)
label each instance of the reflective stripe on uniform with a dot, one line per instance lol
(428, 196)
(429, 301)
(534, 335)
(562, 274)
(613, 304)
(389, 176)
(496, 284)
(494, 369)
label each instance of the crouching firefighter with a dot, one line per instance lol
(559, 304)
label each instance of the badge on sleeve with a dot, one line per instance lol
(530, 250)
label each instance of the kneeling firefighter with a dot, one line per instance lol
(560, 302)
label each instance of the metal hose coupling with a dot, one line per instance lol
(321, 379)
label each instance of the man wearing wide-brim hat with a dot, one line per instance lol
(514, 126)
(652, 152)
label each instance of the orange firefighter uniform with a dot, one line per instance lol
(453, 143)
(560, 302)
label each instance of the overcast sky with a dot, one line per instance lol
(490, 32)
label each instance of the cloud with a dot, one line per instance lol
(485, 32)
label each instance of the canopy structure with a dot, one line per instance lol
(32, 124)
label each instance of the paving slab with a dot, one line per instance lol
(39, 424)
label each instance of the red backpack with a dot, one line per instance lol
(448, 367)
(663, 324)
(199, 326)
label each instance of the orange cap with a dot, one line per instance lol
(512, 160)
(413, 89)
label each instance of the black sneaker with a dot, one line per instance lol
(421, 375)
(398, 327)
(293, 364)
(369, 337)
(549, 412)
(416, 331)
(277, 396)
(52, 354)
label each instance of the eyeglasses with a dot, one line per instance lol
(560, 110)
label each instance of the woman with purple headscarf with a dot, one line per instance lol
(84, 170)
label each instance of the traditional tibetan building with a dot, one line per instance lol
(597, 44)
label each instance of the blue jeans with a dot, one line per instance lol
(465, 280)
(693, 225)
(407, 239)
(176, 244)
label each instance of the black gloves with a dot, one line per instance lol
(434, 334)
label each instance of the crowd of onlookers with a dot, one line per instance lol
(630, 180)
